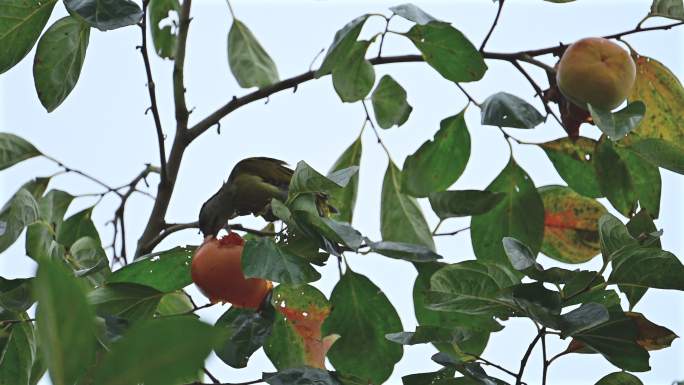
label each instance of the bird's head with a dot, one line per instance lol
(216, 212)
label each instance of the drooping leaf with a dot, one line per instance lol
(301, 375)
(245, 331)
(158, 352)
(308, 180)
(620, 378)
(344, 199)
(58, 61)
(16, 295)
(585, 317)
(645, 179)
(534, 301)
(17, 349)
(429, 334)
(14, 149)
(570, 225)
(616, 125)
(20, 211)
(249, 62)
(438, 163)
(650, 335)
(297, 339)
(616, 341)
(65, 321)
(342, 44)
(332, 230)
(572, 158)
(165, 271)
(660, 135)
(614, 237)
(53, 206)
(129, 301)
(413, 13)
(353, 78)
(389, 103)
(463, 203)
(428, 378)
(524, 260)
(88, 259)
(479, 326)
(401, 219)
(76, 227)
(640, 227)
(505, 110)
(647, 267)
(362, 315)
(164, 37)
(106, 14)
(470, 288)
(448, 51)
(264, 259)
(520, 215)
(405, 251)
(20, 25)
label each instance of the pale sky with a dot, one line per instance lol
(101, 129)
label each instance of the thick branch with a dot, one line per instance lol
(151, 91)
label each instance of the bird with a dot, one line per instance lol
(250, 187)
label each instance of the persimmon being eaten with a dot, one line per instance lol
(217, 272)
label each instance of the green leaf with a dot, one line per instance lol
(401, 219)
(672, 9)
(59, 58)
(640, 227)
(413, 13)
(344, 199)
(362, 315)
(534, 301)
(76, 227)
(65, 321)
(463, 203)
(647, 267)
(438, 163)
(87, 257)
(174, 303)
(16, 294)
(330, 229)
(620, 378)
(614, 237)
(264, 259)
(17, 349)
(572, 158)
(129, 301)
(53, 206)
(479, 326)
(616, 341)
(505, 110)
(470, 288)
(20, 211)
(448, 51)
(307, 180)
(405, 251)
(342, 44)
(428, 334)
(646, 180)
(164, 38)
(660, 153)
(585, 317)
(165, 271)
(389, 103)
(105, 14)
(249, 62)
(520, 215)
(428, 378)
(354, 76)
(522, 259)
(20, 25)
(245, 331)
(158, 352)
(570, 225)
(14, 149)
(303, 375)
(618, 124)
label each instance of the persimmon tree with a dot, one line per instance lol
(120, 315)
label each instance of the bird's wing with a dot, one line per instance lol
(270, 170)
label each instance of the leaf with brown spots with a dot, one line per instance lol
(570, 225)
(649, 335)
(572, 158)
(660, 136)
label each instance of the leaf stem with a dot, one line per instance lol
(491, 29)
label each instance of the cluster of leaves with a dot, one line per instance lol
(91, 321)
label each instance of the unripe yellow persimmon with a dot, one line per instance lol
(217, 272)
(596, 71)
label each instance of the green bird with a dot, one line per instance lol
(251, 186)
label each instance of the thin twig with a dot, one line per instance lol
(382, 37)
(451, 232)
(434, 231)
(179, 66)
(493, 365)
(211, 376)
(375, 130)
(537, 90)
(83, 174)
(470, 98)
(526, 357)
(491, 29)
(545, 369)
(151, 91)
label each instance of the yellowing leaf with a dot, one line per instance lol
(649, 335)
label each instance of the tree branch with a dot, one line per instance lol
(526, 357)
(179, 66)
(151, 91)
(491, 29)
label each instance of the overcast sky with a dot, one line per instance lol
(101, 129)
